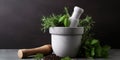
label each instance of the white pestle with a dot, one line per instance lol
(74, 19)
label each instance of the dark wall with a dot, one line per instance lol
(20, 20)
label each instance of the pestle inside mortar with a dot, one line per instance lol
(74, 19)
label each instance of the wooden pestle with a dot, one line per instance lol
(45, 49)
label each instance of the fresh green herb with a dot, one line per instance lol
(50, 21)
(66, 58)
(66, 11)
(91, 47)
(66, 21)
(38, 56)
(55, 20)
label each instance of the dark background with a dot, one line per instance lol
(20, 20)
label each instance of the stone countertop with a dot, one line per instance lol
(11, 54)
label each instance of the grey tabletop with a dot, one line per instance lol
(11, 54)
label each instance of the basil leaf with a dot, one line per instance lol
(94, 41)
(62, 18)
(66, 22)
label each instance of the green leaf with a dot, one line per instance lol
(66, 11)
(94, 41)
(38, 56)
(66, 58)
(66, 22)
(62, 18)
(88, 19)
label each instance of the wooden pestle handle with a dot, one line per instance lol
(45, 49)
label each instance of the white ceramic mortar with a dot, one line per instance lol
(66, 40)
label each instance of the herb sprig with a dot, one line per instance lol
(38, 56)
(55, 20)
